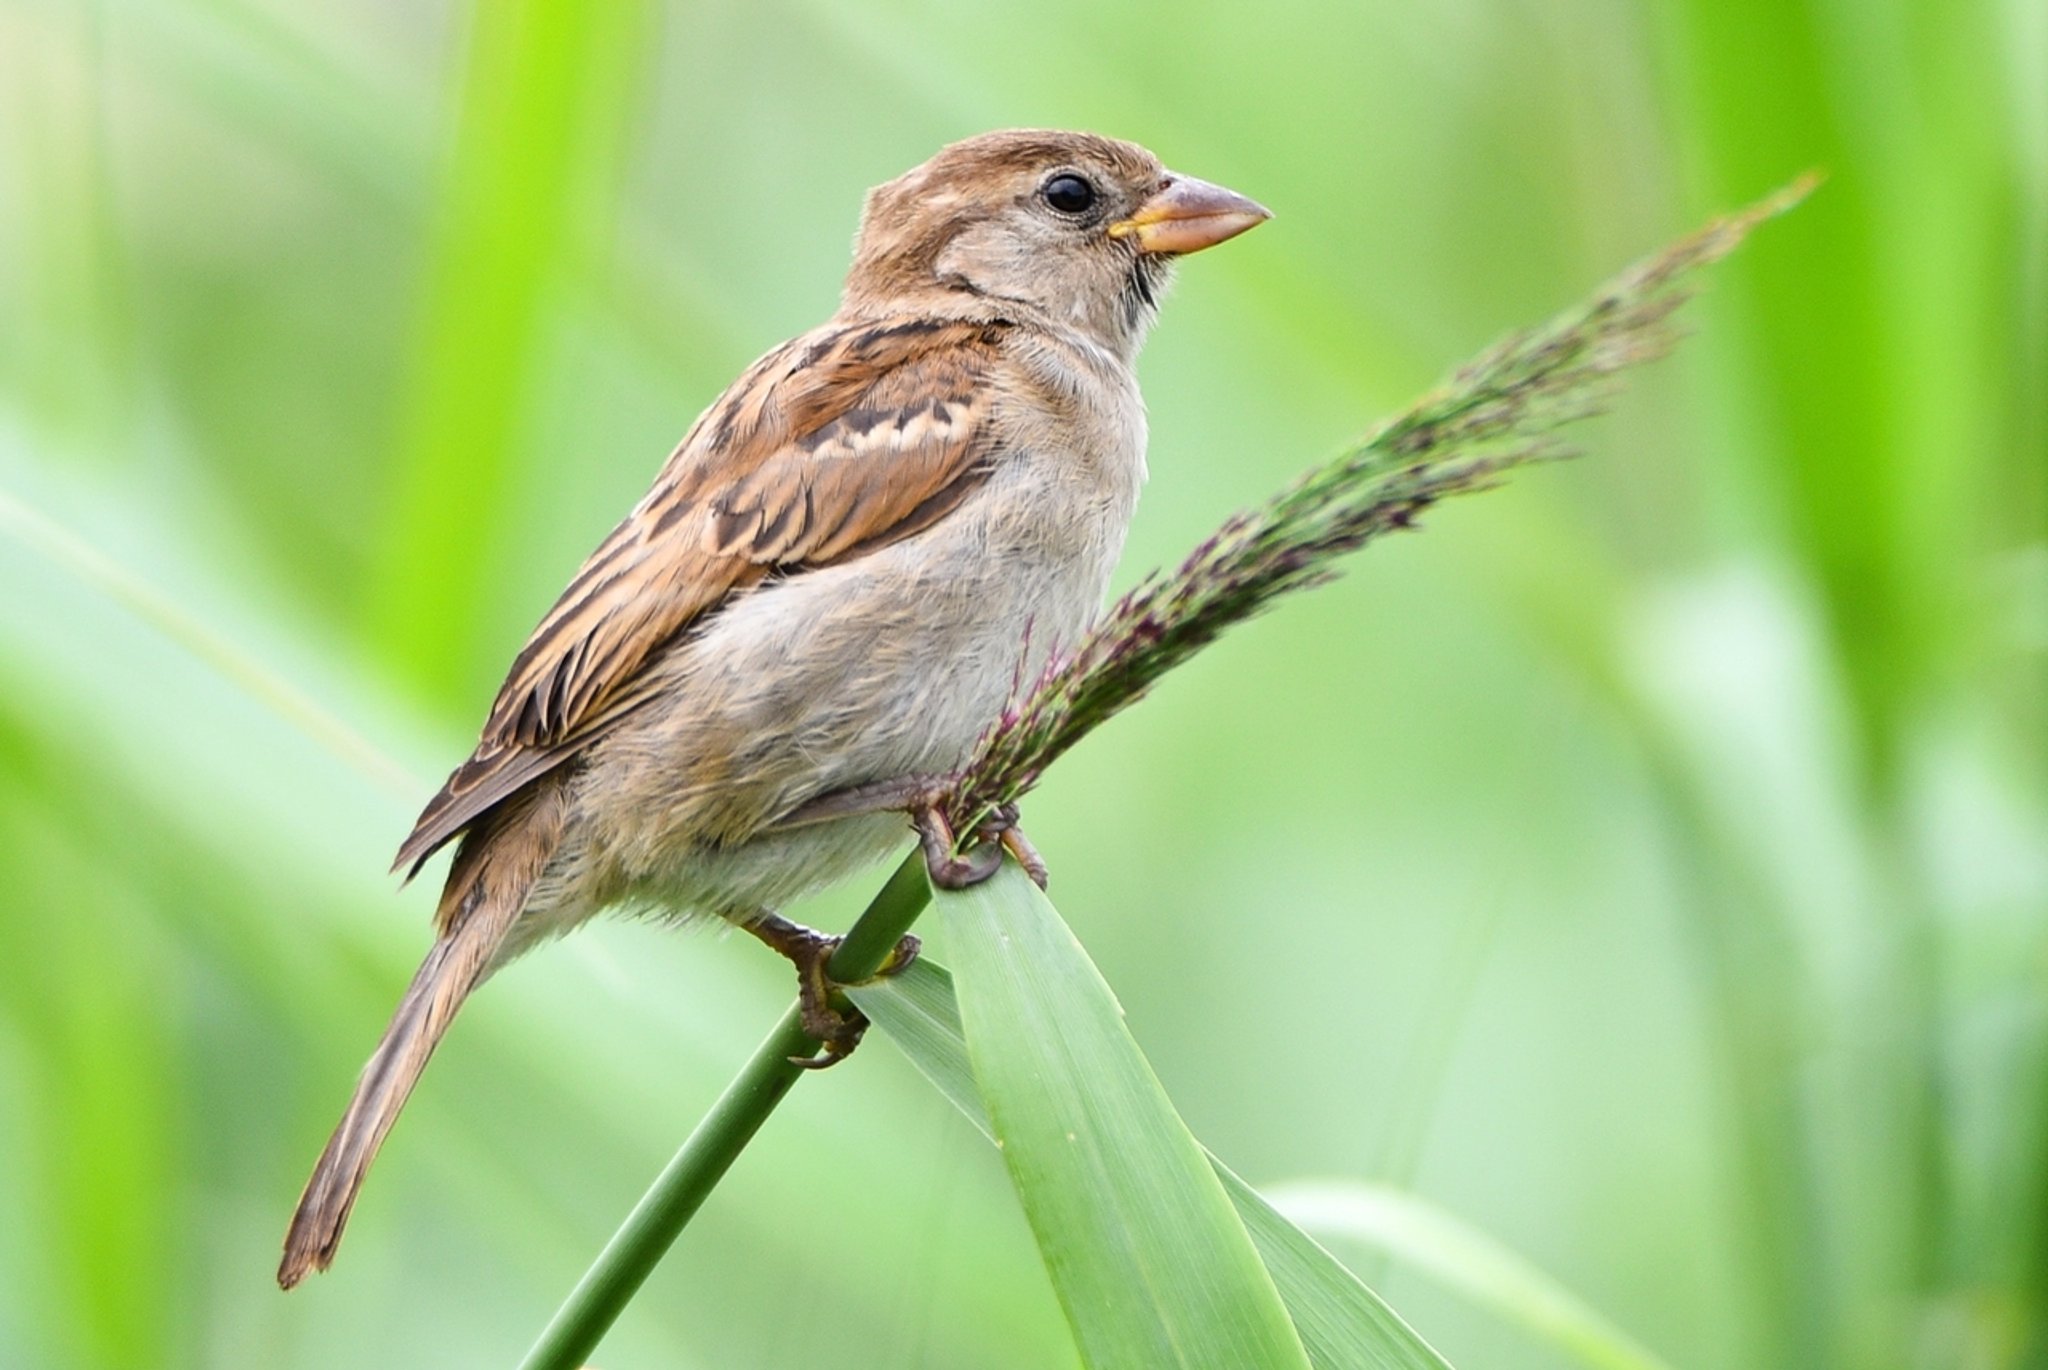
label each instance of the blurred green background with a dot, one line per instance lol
(1647, 864)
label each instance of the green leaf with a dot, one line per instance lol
(1342, 1324)
(1469, 1261)
(1145, 1251)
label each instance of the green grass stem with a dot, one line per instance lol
(680, 1190)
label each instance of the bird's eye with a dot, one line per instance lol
(1069, 194)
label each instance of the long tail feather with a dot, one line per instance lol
(444, 980)
(487, 889)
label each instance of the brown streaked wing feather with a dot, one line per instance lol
(839, 442)
(914, 434)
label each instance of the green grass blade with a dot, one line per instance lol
(916, 1010)
(1468, 1261)
(1342, 1324)
(1147, 1255)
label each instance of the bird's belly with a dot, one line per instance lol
(888, 666)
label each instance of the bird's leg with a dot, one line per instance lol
(904, 794)
(826, 1014)
(921, 796)
(995, 835)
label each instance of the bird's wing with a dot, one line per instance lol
(839, 442)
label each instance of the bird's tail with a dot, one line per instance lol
(486, 891)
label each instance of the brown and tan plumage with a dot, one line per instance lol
(831, 584)
(830, 446)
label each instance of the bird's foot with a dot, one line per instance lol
(826, 1013)
(921, 796)
(996, 834)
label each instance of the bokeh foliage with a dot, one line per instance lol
(1646, 864)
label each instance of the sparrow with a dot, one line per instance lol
(835, 582)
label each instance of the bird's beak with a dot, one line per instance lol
(1187, 215)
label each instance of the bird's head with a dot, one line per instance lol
(1080, 229)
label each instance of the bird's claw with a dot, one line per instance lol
(1018, 845)
(950, 870)
(825, 1013)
